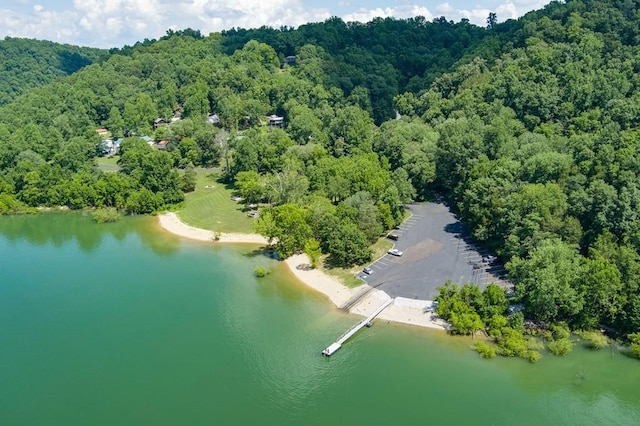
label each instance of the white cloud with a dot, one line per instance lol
(40, 24)
(109, 23)
(404, 11)
(445, 8)
(478, 15)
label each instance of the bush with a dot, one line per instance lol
(594, 339)
(533, 356)
(560, 331)
(188, 179)
(485, 349)
(495, 324)
(312, 249)
(512, 343)
(635, 344)
(9, 204)
(560, 347)
(516, 321)
(106, 215)
(261, 271)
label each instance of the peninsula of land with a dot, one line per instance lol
(403, 310)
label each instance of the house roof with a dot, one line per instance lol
(275, 119)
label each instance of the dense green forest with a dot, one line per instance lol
(385, 56)
(25, 64)
(529, 128)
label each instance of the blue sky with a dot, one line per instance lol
(113, 23)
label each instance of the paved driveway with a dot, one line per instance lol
(436, 248)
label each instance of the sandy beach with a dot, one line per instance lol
(172, 223)
(403, 310)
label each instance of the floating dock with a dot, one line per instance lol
(332, 348)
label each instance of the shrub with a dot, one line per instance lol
(635, 344)
(560, 347)
(516, 321)
(594, 339)
(512, 343)
(495, 324)
(560, 331)
(188, 179)
(9, 204)
(106, 215)
(261, 271)
(312, 249)
(533, 356)
(485, 349)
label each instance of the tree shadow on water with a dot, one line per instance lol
(262, 252)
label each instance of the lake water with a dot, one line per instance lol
(123, 324)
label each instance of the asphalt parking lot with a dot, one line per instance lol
(436, 247)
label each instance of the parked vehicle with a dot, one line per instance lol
(368, 270)
(393, 237)
(395, 252)
(431, 308)
(491, 260)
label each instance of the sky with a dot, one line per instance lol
(114, 23)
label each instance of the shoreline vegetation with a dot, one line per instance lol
(406, 311)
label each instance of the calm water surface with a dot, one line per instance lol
(122, 324)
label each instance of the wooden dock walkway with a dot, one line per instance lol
(331, 349)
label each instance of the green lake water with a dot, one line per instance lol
(123, 324)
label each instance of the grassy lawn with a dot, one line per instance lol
(210, 207)
(108, 161)
(348, 276)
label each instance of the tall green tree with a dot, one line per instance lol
(549, 281)
(286, 227)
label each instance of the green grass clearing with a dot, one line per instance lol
(210, 207)
(111, 160)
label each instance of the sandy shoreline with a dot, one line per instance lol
(403, 310)
(406, 311)
(172, 223)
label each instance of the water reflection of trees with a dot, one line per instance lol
(58, 229)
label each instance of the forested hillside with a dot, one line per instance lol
(26, 64)
(532, 137)
(539, 152)
(385, 56)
